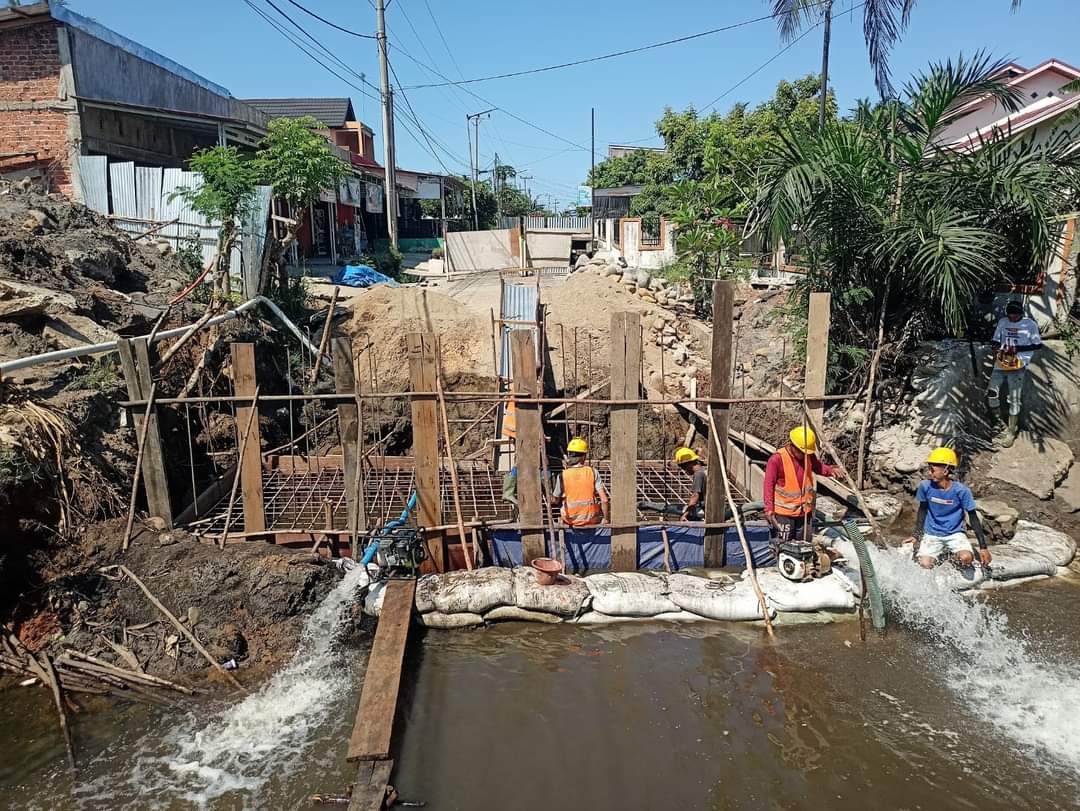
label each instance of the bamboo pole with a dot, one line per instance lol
(738, 525)
(58, 699)
(239, 466)
(182, 628)
(138, 467)
(325, 335)
(450, 459)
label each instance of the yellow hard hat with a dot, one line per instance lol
(804, 439)
(943, 456)
(577, 445)
(684, 455)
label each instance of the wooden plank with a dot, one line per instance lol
(528, 443)
(625, 376)
(369, 790)
(135, 361)
(348, 420)
(421, 348)
(251, 493)
(723, 318)
(382, 679)
(817, 353)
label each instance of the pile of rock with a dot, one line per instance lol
(651, 288)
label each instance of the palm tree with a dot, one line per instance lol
(883, 22)
(905, 230)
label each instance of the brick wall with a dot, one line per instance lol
(30, 72)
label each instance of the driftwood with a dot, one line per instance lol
(182, 628)
(61, 712)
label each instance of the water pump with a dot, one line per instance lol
(401, 551)
(802, 560)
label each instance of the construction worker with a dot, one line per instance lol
(1015, 341)
(789, 486)
(690, 464)
(579, 490)
(939, 523)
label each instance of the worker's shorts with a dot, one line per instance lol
(932, 546)
(1014, 380)
(790, 528)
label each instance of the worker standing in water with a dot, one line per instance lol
(1015, 342)
(690, 463)
(789, 488)
(579, 491)
(939, 523)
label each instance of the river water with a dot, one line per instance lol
(965, 703)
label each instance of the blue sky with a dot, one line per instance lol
(228, 43)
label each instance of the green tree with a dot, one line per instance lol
(299, 163)
(225, 195)
(905, 231)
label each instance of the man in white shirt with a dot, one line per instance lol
(1015, 342)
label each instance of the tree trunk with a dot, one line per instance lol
(827, 9)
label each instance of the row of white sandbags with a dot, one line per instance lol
(461, 599)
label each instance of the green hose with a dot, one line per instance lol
(873, 590)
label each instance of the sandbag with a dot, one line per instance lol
(850, 575)
(474, 592)
(715, 599)
(596, 618)
(1042, 540)
(511, 613)
(992, 585)
(828, 593)
(629, 594)
(567, 598)
(961, 578)
(1013, 560)
(374, 598)
(462, 619)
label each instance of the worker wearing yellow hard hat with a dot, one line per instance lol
(579, 492)
(690, 463)
(939, 522)
(789, 489)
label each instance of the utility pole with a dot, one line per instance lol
(495, 190)
(592, 180)
(827, 10)
(389, 171)
(474, 157)
(525, 182)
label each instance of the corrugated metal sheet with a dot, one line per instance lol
(147, 192)
(122, 193)
(94, 179)
(253, 240)
(520, 302)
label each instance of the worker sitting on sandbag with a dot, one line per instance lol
(789, 488)
(939, 523)
(579, 491)
(690, 463)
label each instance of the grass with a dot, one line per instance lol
(103, 374)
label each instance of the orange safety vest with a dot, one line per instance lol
(791, 498)
(581, 506)
(509, 423)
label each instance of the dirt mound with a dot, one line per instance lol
(247, 602)
(68, 276)
(384, 316)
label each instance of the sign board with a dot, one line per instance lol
(584, 196)
(428, 190)
(374, 195)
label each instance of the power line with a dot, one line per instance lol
(438, 30)
(311, 13)
(606, 56)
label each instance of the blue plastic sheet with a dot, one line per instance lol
(362, 276)
(590, 549)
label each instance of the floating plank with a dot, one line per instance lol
(369, 790)
(378, 698)
(723, 318)
(625, 368)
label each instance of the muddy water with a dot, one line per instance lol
(631, 716)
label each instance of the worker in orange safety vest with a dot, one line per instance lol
(789, 488)
(579, 491)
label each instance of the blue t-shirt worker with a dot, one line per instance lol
(939, 523)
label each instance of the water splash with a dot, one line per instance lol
(248, 745)
(1034, 701)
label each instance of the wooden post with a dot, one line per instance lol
(817, 354)
(528, 444)
(625, 364)
(247, 441)
(135, 361)
(425, 448)
(723, 317)
(345, 383)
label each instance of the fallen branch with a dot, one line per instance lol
(58, 697)
(187, 336)
(181, 628)
(325, 335)
(129, 675)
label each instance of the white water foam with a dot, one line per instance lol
(255, 741)
(1035, 702)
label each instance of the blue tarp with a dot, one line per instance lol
(590, 549)
(362, 276)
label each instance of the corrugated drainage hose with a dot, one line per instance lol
(866, 567)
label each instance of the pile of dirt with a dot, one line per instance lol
(247, 602)
(69, 277)
(384, 316)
